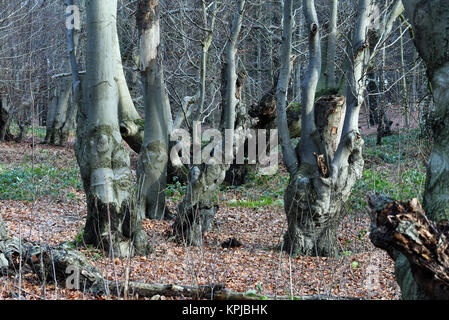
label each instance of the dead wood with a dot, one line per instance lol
(56, 264)
(402, 227)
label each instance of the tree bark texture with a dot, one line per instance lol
(153, 156)
(327, 161)
(403, 230)
(5, 119)
(112, 221)
(197, 209)
(131, 123)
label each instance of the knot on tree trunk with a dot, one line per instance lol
(196, 211)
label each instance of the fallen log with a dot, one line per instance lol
(56, 264)
(224, 295)
(403, 228)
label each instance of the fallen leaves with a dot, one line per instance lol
(256, 264)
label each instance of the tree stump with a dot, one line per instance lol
(402, 227)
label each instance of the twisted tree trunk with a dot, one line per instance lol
(327, 161)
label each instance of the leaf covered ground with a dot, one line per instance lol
(42, 200)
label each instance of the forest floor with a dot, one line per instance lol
(395, 114)
(42, 200)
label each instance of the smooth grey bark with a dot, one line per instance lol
(332, 45)
(231, 100)
(289, 156)
(197, 209)
(64, 132)
(307, 145)
(327, 161)
(63, 115)
(63, 92)
(205, 45)
(357, 68)
(235, 112)
(428, 20)
(328, 49)
(237, 173)
(153, 156)
(131, 123)
(112, 222)
(75, 98)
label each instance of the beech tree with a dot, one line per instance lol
(153, 157)
(329, 50)
(420, 250)
(197, 209)
(327, 161)
(58, 120)
(112, 221)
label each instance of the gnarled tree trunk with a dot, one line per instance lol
(314, 198)
(327, 161)
(197, 209)
(112, 221)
